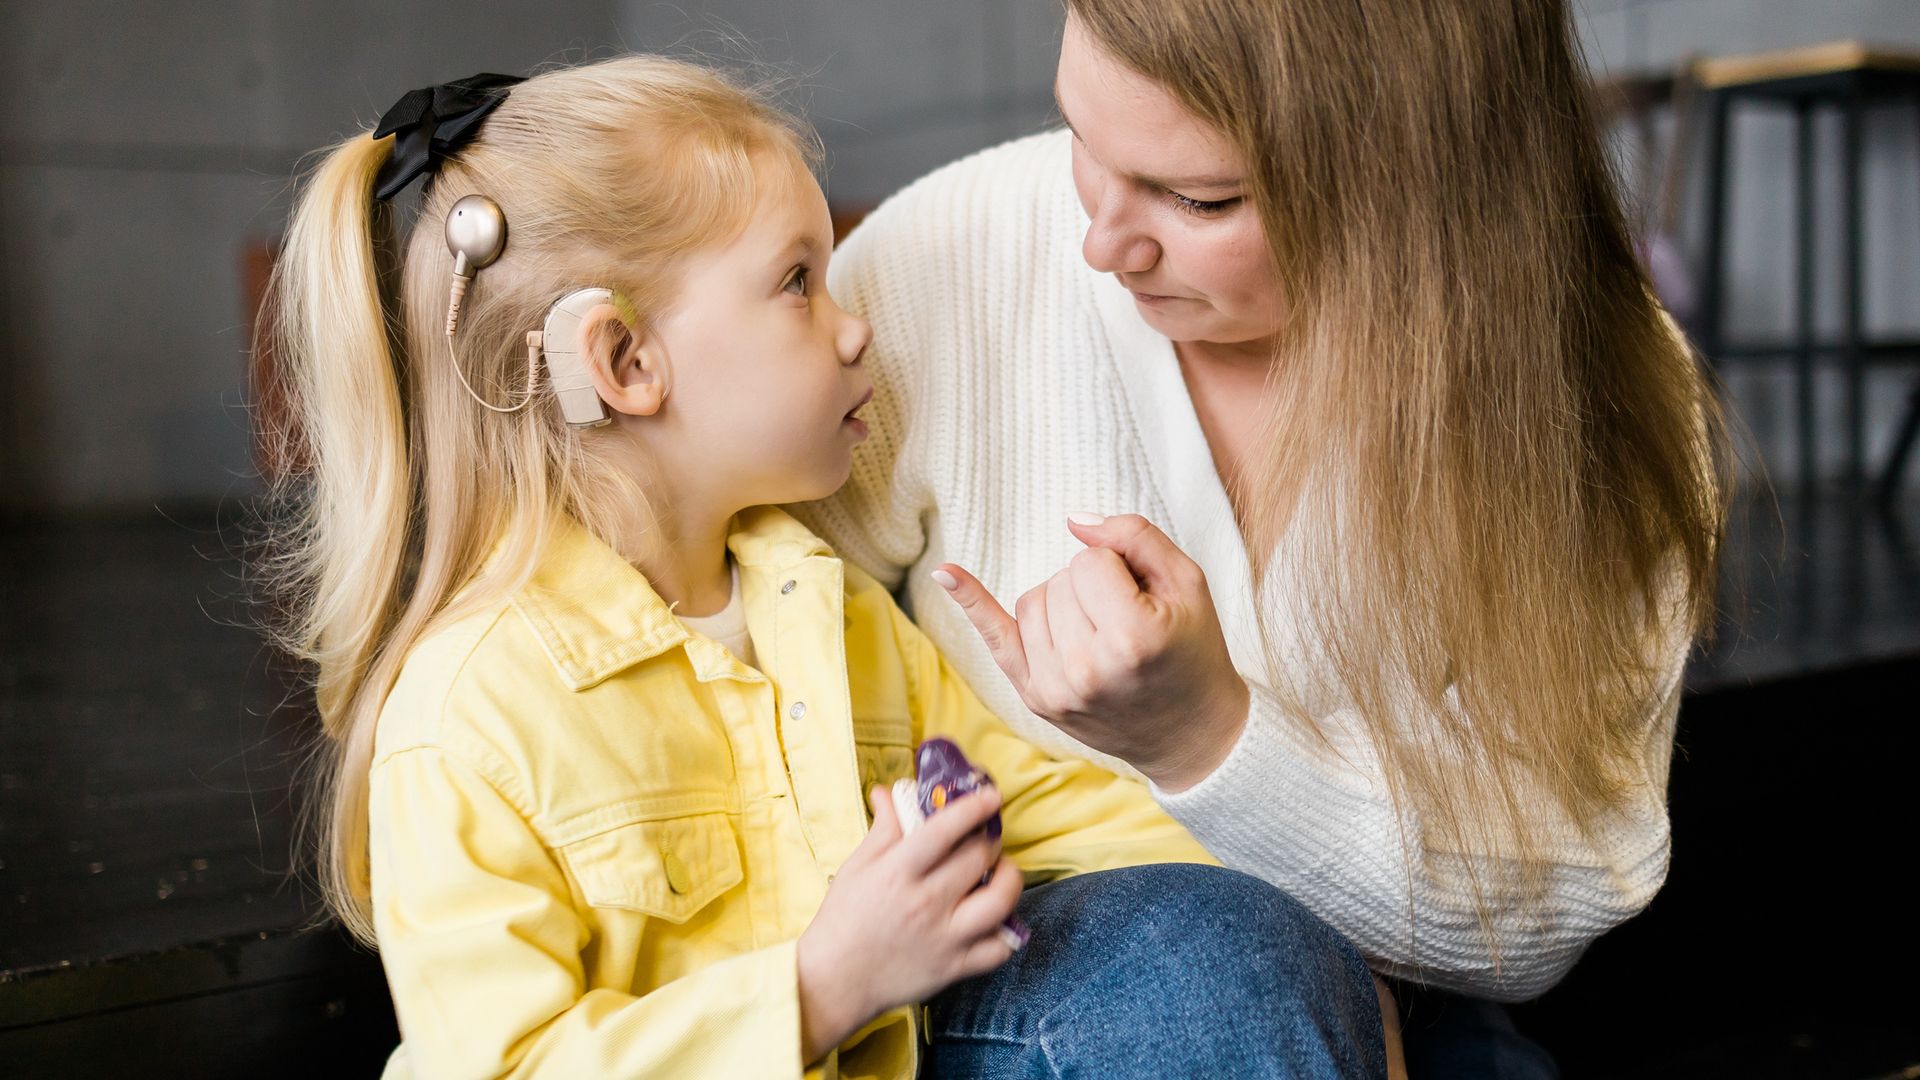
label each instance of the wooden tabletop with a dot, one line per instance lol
(1825, 59)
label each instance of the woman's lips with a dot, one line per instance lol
(1156, 299)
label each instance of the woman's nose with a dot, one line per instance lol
(1114, 243)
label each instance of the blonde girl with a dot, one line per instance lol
(598, 717)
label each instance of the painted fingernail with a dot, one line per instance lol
(945, 580)
(1089, 520)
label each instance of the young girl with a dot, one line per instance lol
(600, 717)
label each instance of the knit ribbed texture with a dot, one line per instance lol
(1013, 385)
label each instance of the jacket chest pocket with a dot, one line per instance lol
(669, 869)
(884, 751)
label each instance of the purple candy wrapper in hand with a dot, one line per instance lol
(946, 775)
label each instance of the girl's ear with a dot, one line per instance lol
(628, 369)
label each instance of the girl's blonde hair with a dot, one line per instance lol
(1526, 465)
(609, 174)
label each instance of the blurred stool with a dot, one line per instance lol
(1846, 77)
(1632, 100)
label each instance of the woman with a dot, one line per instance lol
(1337, 296)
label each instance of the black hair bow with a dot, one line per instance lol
(434, 122)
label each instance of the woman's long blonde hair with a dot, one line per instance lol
(1526, 466)
(608, 174)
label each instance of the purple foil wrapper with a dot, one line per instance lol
(945, 774)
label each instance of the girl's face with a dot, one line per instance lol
(1167, 194)
(765, 373)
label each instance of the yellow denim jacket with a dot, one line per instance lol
(596, 835)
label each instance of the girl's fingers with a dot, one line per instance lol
(982, 911)
(991, 621)
(989, 952)
(886, 827)
(934, 841)
(885, 818)
(964, 868)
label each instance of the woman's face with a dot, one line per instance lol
(1172, 216)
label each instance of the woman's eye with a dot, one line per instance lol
(797, 283)
(1201, 206)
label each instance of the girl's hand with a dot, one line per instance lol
(1121, 650)
(903, 920)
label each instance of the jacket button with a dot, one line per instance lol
(786, 588)
(677, 878)
(797, 710)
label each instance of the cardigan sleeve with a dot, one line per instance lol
(1319, 824)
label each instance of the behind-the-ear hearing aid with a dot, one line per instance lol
(559, 340)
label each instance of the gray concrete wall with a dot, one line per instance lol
(144, 148)
(895, 87)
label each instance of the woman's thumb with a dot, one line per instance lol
(1152, 556)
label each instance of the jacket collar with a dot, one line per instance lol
(596, 614)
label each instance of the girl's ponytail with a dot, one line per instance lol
(346, 546)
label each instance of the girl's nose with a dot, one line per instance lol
(855, 334)
(1114, 243)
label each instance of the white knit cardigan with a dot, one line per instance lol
(1013, 385)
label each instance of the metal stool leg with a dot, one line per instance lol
(1852, 355)
(1896, 467)
(1707, 332)
(1804, 259)
(1902, 449)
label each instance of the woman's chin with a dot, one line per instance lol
(1178, 322)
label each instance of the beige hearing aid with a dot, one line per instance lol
(580, 403)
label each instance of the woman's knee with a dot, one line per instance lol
(1217, 964)
(1208, 910)
(1237, 924)
(1170, 969)
(1241, 938)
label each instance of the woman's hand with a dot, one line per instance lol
(903, 919)
(1121, 650)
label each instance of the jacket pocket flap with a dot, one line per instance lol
(668, 868)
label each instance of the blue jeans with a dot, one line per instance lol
(1172, 970)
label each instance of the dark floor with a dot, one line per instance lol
(151, 925)
(1810, 584)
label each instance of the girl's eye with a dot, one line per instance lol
(797, 283)
(1201, 206)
